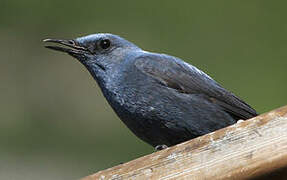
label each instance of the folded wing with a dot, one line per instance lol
(174, 73)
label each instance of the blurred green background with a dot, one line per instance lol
(54, 121)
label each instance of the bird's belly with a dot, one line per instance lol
(169, 119)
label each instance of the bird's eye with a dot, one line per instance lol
(105, 44)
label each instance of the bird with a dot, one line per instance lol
(162, 99)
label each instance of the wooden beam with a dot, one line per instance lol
(244, 150)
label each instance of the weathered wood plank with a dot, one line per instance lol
(244, 150)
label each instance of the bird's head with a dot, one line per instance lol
(100, 53)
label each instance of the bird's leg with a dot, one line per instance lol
(160, 147)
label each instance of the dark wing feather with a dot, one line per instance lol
(176, 74)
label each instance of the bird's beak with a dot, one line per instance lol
(73, 50)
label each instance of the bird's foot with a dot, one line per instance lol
(240, 121)
(160, 147)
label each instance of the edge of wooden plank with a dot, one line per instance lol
(244, 150)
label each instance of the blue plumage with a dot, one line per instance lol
(161, 99)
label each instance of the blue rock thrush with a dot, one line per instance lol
(160, 98)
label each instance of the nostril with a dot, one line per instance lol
(71, 42)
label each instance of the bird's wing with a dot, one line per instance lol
(174, 73)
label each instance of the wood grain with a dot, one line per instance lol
(244, 150)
